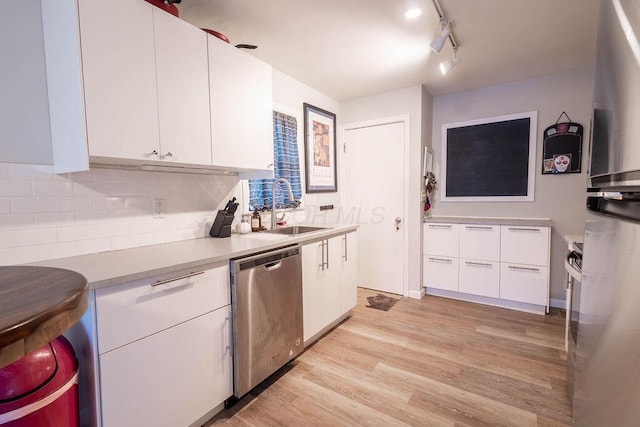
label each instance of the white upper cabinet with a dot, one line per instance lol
(120, 87)
(183, 90)
(241, 108)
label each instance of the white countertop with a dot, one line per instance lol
(116, 267)
(531, 222)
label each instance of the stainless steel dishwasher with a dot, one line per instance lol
(266, 292)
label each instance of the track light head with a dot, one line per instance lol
(447, 66)
(445, 30)
(414, 9)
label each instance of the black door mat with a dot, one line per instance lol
(381, 302)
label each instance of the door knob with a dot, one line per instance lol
(398, 221)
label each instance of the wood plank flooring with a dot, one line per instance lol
(429, 362)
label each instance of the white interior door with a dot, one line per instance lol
(374, 198)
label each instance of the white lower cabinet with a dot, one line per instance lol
(504, 265)
(164, 348)
(328, 282)
(170, 378)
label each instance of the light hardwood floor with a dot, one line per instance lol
(429, 362)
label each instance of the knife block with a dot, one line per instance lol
(221, 225)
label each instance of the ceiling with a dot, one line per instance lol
(352, 48)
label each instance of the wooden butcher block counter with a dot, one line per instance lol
(37, 304)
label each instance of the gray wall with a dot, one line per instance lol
(558, 197)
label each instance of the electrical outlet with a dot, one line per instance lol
(159, 208)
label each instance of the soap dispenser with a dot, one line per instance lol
(256, 221)
(243, 226)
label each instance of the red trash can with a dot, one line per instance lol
(41, 389)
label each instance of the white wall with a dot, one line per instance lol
(558, 197)
(46, 216)
(415, 102)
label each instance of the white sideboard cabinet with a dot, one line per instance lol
(500, 264)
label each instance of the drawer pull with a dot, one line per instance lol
(478, 227)
(478, 264)
(163, 282)
(513, 267)
(531, 230)
(441, 260)
(440, 226)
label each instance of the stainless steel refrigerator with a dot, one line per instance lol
(606, 358)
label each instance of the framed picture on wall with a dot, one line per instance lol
(320, 150)
(490, 159)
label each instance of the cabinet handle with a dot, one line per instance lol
(448, 261)
(322, 263)
(326, 245)
(478, 227)
(440, 226)
(531, 230)
(344, 239)
(154, 153)
(186, 276)
(270, 166)
(513, 267)
(478, 264)
(169, 154)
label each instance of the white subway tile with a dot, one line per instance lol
(16, 189)
(84, 176)
(25, 172)
(6, 239)
(69, 234)
(34, 237)
(125, 242)
(32, 205)
(5, 205)
(93, 217)
(175, 189)
(139, 204)
(73, 204)
(16, 222)
(95, 189)
(94, 246)
(150, 189)
(55, 219)
(122, 189)
(154, 238)
(138, 227)
(13, 256)
(57, 250)
(4, 171)
(52, 188)
(109, 229)
(127, 214)
(107, 175)
(108, 203)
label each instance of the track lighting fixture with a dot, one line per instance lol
(445, 67)
(438, 43)
(414, 9)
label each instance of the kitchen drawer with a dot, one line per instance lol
(441, 272)
(479, 277)
(524, 283)
(479, 241)
(440, 239)
(525, 245)
(171, 378)
(128, 312)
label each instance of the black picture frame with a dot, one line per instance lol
(321, 171)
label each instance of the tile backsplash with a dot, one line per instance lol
(46, 216)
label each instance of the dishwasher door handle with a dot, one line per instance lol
(273, 266)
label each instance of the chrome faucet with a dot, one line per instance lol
(273, 199)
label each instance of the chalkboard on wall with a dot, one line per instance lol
(490, 159)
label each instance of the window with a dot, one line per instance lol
(286, 165)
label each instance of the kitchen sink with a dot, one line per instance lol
(294, 230)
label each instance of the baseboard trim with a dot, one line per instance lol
(558, 303)
(417, 294)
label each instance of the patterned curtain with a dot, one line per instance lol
(286, 165)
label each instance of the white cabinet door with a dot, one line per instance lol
(119, 69)
(440, 272)
(332, 285)
(525, 245)
(441, 239)
(479, 277)
(480, 241)
(183, 90)
(524, 283)
(313, 275)
(241, 108)
(349, 271)
(171, 378)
